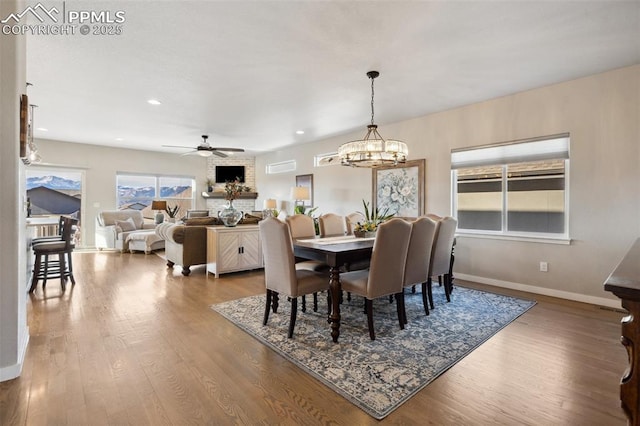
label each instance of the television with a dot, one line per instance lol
(229, 173)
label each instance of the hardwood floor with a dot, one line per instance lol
(136, 343)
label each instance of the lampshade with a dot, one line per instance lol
(372, 150)
(269, 204)
(158, 205)
(300, 193)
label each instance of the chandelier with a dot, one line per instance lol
(373, 150)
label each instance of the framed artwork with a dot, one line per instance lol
(400, 188)
(24, 124)
(306, 181)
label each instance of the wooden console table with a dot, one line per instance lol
(624, 282)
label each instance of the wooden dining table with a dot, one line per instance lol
(334, 251)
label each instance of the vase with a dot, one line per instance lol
(229, 215)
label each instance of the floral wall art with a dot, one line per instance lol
(400, 188)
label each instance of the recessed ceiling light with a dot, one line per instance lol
(119, 139)
(299, 132)
(154, 102)
(42, 129)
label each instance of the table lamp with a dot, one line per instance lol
(268, 207)
(159, 206)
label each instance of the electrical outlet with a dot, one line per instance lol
(544, 266)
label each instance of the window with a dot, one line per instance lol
(518, 188)
(138, 191)
(281, 167)
(54, 191)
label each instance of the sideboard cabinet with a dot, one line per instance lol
(233, 249)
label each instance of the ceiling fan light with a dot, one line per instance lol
(204, 153)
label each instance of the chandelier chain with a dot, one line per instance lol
(372, 79)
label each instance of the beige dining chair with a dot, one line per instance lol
(386, 274)
(280, 273)
(440, 263)
(301, 226)
(351, 220)
(331, 224)
(416, 270)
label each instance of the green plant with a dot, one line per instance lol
(372, 218)
(300, 209)
(172, 211)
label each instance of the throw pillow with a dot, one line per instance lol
(203, 221)
(126, 225)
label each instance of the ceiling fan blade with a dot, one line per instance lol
(187, 153)
(176, 146)
(228, 149)
(218, 153)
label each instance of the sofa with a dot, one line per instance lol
(185, 244)
(113, 227)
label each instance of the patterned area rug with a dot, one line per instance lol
(378, 376)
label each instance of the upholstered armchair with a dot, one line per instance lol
(186, 245)
(113, 227)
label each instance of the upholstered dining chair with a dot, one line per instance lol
(386, 274)
(280, 273)
(440, 263)
(351, 220)
(416, 270)
(301, 226)
(331, 224)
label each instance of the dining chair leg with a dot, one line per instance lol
(70, 265)
(63, 271)
(267, 308)
(304, 303)
(315, 302)
(399, 309)
(369, 308)
(447, 287)
(413, 289)
(46, 270)
(425, 298)
(36, 271)
(294, 312)
(275, 301)
(404, 310)
(430, 292)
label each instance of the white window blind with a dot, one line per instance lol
(545, 148)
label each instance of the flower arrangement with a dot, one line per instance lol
(172, 211)
(372, 219)
(233, 189)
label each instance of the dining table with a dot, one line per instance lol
(335, 251)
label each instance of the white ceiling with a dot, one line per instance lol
(252, 73)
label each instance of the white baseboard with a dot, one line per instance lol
(13, 371)
(601, 301)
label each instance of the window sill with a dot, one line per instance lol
(526, 238)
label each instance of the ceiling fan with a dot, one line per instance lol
(206, 150)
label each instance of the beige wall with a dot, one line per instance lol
(14, 333)
(600, 112)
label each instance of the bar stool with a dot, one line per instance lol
(63, 267)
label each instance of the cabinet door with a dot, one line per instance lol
(229, 256)
(251, 250)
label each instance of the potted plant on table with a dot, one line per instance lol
(373, 218)
(172, 212)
